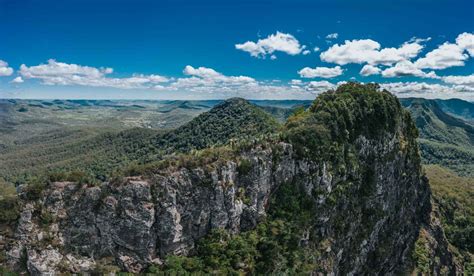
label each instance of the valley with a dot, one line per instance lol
(342, 143)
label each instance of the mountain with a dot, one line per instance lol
(99, 152)
(235, 118)
(457, 107)
(444, 139)
(338, 190)
(170, 106)
(453, 200)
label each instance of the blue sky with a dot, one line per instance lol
(219, 49)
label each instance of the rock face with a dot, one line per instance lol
(138, 221)
(368, 210)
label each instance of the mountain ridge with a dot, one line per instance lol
(250, 206)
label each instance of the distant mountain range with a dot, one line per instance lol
(446, 132)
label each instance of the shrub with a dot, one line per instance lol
(34, 190)
(245, 166)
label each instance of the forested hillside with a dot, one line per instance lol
(98, 152)
(233, 119)
(444, 139)
(260, 199)
(43, 142)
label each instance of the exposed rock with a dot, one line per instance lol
(370, 208)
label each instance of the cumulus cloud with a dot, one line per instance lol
(60, 73)
(319, 86)
(406, 68)
(332, 36)
(316, 49)
(322, 72)
(17, 80)
(4, 69)
(306, 52)
(202, 72)
(419, 40)
(282, 42)
(449, 54)
(369, 70)
(214, 84)
(445, 56)
(466, 41)
(296, 82)
(460, 80)
(208, 81)
(369, 51)
(210, 75)
(425, 90)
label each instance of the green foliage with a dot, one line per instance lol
(100, 152)
(453, 197)
(274, 247)
(9, 207)
(35, 188)
(234, 118)
(420, 255)
(244, 167)
(444, 139)
(105, 266)
(338, 117)
(46, 218)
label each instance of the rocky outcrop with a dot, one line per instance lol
(370, 201)
(139, 220)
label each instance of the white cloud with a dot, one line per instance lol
(460, 80)
(282, 42)
(316, 49)
(369, 51)
(406, 68)
(332, 36)
(445, 56)
(4, 69)
(306, 52)
(322, 72)
(369, 70)
(208, 75)
(319, 86)
(296, 82)
(426, 90)
(17, 80)
(466, 41)
(59, 73)
(449, 54)
(202, 72)
(419, 40)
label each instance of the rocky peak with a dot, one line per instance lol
(341, 189)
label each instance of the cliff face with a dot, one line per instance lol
(368, 203)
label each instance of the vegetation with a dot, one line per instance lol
(285, 242)
(9, 207)
(453, 197)
(421, 255)
(274, 247)
(339, 117)
(444, 139)
(100, 153)
(234, 118)
(114, 146)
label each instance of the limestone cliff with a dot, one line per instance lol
(361, 173)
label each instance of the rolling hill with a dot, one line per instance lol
(444, 139)
(99, 151)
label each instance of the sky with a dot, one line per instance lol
(176, 49)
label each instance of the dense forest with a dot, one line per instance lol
(92, 153)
